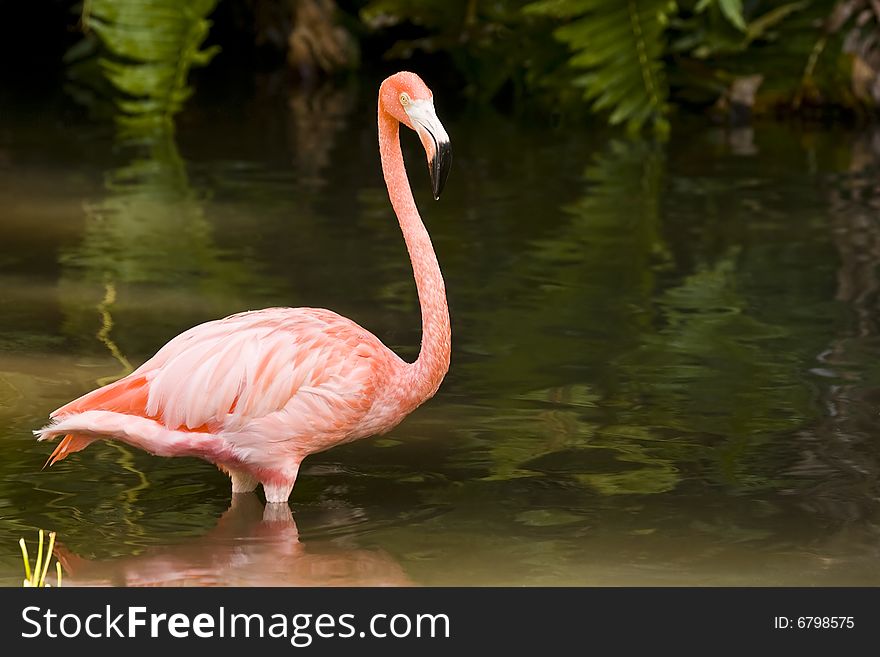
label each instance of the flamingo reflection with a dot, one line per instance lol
(250, 546)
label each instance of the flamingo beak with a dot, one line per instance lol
(435, 140)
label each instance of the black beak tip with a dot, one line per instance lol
(440, 167)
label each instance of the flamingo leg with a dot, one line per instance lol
(278, 489)
(242, 482)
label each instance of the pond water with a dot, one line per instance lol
(666, 358)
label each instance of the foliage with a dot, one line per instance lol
(620, 44)
(714, 27)
(859, 22)
(495, 45)
(633, 59)
(138, 54)
(711, 57)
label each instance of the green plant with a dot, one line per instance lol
(620, 45)
(137, 54)
(857, 23)
(36, 578)
(707, 28)
(493, 45)
(633, 60)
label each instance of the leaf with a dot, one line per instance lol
(621, 45)
(733, 11)
(758, 27)
(137, 55)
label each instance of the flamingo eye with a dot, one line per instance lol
(404, 99)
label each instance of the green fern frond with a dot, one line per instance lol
(620, 43)
(144, 50)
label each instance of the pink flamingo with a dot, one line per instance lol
(257, 392)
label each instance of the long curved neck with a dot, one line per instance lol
(425, 375)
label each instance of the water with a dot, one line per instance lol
(666, 364)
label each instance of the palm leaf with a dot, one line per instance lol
(620, 43)
(137, 55)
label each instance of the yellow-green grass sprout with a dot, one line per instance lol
(37, 577)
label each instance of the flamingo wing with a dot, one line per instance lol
(314, 366)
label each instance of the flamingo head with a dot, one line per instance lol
(405, 97)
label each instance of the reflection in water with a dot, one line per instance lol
(650, 373)
(708, 381)
(840, 458)
(105, 338)
(667, 372)
(250, 546)
(147, 237)
(317, 117)
(599, 263)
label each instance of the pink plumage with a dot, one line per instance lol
(257, 392)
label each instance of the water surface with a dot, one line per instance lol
(666, 358)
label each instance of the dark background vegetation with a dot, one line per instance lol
(631, 62)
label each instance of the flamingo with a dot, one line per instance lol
(258, 391)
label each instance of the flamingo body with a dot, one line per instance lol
(257, 392)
